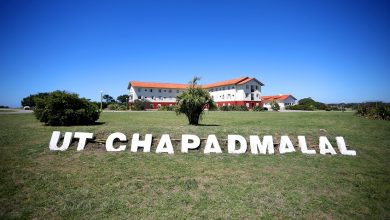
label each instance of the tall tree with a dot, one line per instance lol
(193, 101)
(108, 98)
(122, 98)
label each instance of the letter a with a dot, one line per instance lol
(212, 141)
(285, 145)
(55, 137)
(165, 141)
(325, 146)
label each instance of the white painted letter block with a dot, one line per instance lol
(285, 145)
(136, 143)
(232, 139)
(165, 141)
(258, 147)
(212, 145)
(325, 146)
(55, 137)
(343, 148)
(110, 142)
(185, 145)
(82, 136)
(303, 146)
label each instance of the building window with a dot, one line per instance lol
(146, 90)
(232, 87)
(246, 95)
(165, 90)
(139, 89)
(247, 86)
(159, 90)
(159, 97)
(139, 97)
(170, 91)
(257, 87)
(177, 91)
(151, 90)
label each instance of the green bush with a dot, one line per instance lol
(30, 100)
(258, 109)
(117, 107)
(275, 106)
(233, 108)
(374, 110)
(140, 105)
(60, 108)
(166, 108)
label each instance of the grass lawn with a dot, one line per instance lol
(38, 183)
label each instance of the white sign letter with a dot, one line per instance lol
(110, 142)
(325, 146)
(136, 143)
(212, 141)
(55, 137)
(165, 141)
(232, 144)
(185, 145)
(303, 146)
(82, 136)
(343, 148)
(285, 145)
(257, 146)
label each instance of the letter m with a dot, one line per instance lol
(258, 147)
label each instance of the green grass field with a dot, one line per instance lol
(38, 183)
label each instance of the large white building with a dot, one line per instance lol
(241, 91)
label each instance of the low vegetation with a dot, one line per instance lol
(233, 108)
(308, 104)
(140, 105)
(60, 108)
(374, 110)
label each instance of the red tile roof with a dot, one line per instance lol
(225, 83)
(276, 97)
(238, 81)
(158, 85)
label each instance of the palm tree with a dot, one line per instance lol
(193, 101)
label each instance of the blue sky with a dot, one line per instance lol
(329, 50)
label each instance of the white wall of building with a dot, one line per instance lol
(154, 94)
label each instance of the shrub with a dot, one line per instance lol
(117, 107)
(374, 110)
(233, 108)
(258, 109)
(30, 100)
(113, 106)
(166, 108)
(60, 108)
(140, 105)
(275, 106)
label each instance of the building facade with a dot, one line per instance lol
(282, 100)
(240, 91)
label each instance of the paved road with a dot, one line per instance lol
(14, 111)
